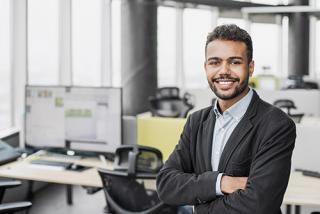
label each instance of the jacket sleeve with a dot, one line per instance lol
(268, 177)
(177, 182)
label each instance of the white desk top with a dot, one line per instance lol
(302, 190)
(24, 170)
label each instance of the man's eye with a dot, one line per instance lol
(235, 62)
(214, 62)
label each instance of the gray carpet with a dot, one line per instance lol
(52, 200)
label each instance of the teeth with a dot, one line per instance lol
(225, 82)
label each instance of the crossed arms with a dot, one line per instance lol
(261, 192)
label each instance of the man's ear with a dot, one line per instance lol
(251, 68)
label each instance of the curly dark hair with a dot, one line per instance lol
(231, 32)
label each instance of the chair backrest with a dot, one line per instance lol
(168, 92)
(288, 105)
(168, 103)
(285, 103)
(124, 187)
(137, 159)
(128, 195)
(6, 184)
(13, 207)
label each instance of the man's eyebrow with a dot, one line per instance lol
(236, 57)
(230, 58)
(213, 58)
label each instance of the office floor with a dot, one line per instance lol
(52, 200)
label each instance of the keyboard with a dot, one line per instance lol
(54, 164)
(309, 173)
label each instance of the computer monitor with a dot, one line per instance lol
(76, 118)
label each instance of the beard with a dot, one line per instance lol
(236, 92)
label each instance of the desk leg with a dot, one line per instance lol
(297, 209)
(29, 191)
(288, 209)
(69, 194)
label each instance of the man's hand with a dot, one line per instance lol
(231, 184)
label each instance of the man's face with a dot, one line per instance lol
(227, 68)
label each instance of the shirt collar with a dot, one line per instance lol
(215, 109)
(238, 109)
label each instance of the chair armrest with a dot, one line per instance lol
(14, 207)
(91, 190)
(9, 184)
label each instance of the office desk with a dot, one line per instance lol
(23, 169)
(302, 191)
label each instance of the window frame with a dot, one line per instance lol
(216, 13)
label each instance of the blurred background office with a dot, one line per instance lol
(99, 43)
(143, 45)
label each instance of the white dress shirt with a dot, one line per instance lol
(224, 126)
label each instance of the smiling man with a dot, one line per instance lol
(233, 157)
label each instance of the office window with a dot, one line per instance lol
(167, 46)
(283, 66)
(267, 57)
(5, 80)
(43, 42)
(317, 48)
(266, 50)
(116, 42)
(272, 2)
(240, 22)
(196, 26)
(316, 3)
(86, 42)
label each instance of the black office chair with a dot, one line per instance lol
(10, 208)
(288, 105)
(124, 187)
(297, 82)
(168, 103)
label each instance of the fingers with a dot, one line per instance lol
(230, 184)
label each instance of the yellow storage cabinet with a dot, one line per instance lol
(159, 132)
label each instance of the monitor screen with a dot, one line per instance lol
(77, 118)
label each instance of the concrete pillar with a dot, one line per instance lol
(299, 41)
(138, 54)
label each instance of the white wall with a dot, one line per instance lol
(306, 101)
(306, 154)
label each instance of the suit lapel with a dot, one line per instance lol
(207, 134)
(241, 130)
(234, 140)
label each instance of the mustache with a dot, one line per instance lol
(236, 79)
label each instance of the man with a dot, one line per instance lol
(234, 157)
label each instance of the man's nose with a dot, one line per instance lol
(225, 68)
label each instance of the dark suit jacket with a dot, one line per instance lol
(260, 147)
